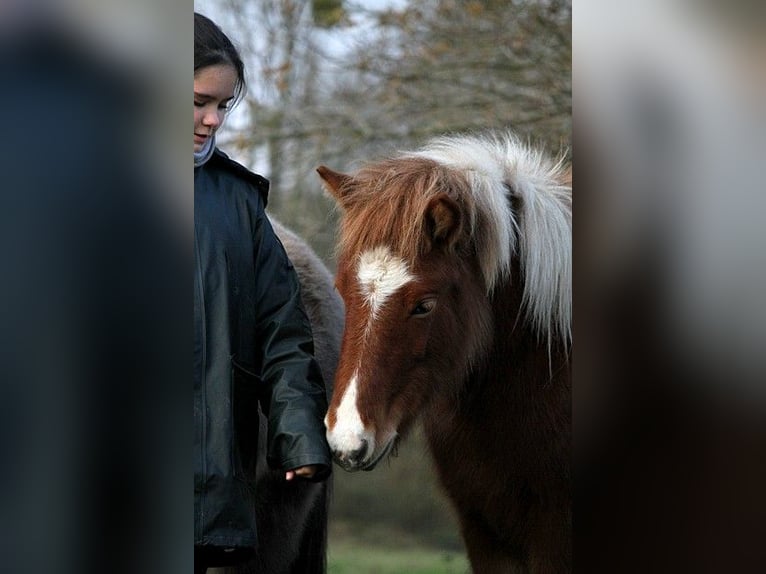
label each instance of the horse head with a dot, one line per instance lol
(416, 301)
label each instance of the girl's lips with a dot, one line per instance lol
(199, 139)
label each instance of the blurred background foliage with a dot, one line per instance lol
(338, 82)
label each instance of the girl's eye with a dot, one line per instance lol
(198, 104)
(223, 107)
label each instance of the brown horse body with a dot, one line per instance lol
(455, 267)
(502, 448)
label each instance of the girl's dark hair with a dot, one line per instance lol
(212, 47)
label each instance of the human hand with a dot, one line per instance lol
(302, 471)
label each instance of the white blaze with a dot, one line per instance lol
(380, 274)
(349, 431)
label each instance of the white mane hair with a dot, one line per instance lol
(498, 167)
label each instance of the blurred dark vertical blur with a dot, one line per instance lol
(94, 317)
(670, 393)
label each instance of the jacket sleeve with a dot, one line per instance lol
(294, 397)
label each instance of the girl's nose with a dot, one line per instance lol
(212, 120)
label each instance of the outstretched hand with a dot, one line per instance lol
(302, 472)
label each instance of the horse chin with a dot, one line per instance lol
(353, 464)
(383, 453)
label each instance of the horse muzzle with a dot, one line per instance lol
(364, 457)
(352, 460)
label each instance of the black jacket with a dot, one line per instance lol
(252, 342)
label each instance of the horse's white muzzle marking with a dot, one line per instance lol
(351, 443)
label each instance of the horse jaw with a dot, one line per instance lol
(383, 453)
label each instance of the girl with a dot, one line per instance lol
(252, 340)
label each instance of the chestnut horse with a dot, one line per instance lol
(455, 265)
(291, 517)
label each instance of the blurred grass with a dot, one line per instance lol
(348, 556)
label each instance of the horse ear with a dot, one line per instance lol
(443, 220)
(335, 182)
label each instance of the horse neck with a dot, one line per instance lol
(517, 389)
(519, 358)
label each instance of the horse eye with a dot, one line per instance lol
(424, 307)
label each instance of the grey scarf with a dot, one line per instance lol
(204, 154)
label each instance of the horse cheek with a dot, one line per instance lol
(420, 344)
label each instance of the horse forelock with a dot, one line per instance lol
(389, 202)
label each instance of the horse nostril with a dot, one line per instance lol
(359, 454)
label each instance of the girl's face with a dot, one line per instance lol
(213, 91)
